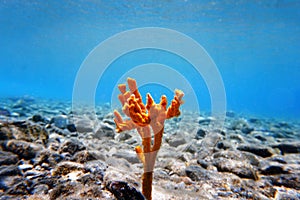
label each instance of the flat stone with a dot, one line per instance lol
(291, 147)
(10, 170)
(129, 156)
(273, 169)
(208, 144)
(287, 180)
(8, 158)
(176, 141)
(197, 173)
(23, 149)
(66, 167)
(60, 121)
(71, 146)
(84, 126)
(85, 156)
(240, 168)
(262, 151)
(200, 134)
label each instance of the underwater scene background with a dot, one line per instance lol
(254, 44)
(76, 121)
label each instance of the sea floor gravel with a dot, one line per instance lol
(48, 151)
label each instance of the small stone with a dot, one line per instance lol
(291, 147)
(8, 158)
(256, 149)
(122, 136)
(23, 149)
(5, 133)
(230, 114)
(273, 169)
(85, 156)
(287, 180)
(4, 112)
(129, 156)
(71, 146)
(204, 121)
(197, 173)
(25, 167)
(224, 145)
(122, 190)
(200, 134)
(40, 189)
(71, 128)
(60, 121)
(240, 168)
(66, 167)
(15, 114)
(105, 130)
(37, 118)
(48, 156)
(84, 126)
(208, 144)
(20, 188)
(10, 170)
(176, 141)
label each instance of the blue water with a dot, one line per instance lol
(254, 44)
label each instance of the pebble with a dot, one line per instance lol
(60, 121)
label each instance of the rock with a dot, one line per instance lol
(200, 134)
(63, 190)
(129, 156)
(40, 189)
(84, 126)
(25, 167)
(197, 173)
(60, 121)
(96, 167)
(129, 181)
(122, 190)
(113, 174)
(240, 168)
(66, 167)
(8, 158)
(262, 151)
(204, 121)
(4, 112)
(291, 147)
(224, 145)
(273, 169)
(23, 149)
(20, 188)
(7, 182)
(28, 131)
(208, 144)
(287, 194)
(230, 114)
(71, 146)
(10, 170)
(247, 157)
(120, 162)
(48, 156)
(5, 133)
(176, 140)
(71, 128)
(105, 130)
(122, 136)
(190, 148)
(85, 156)
(286, 180)
(37, 118)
